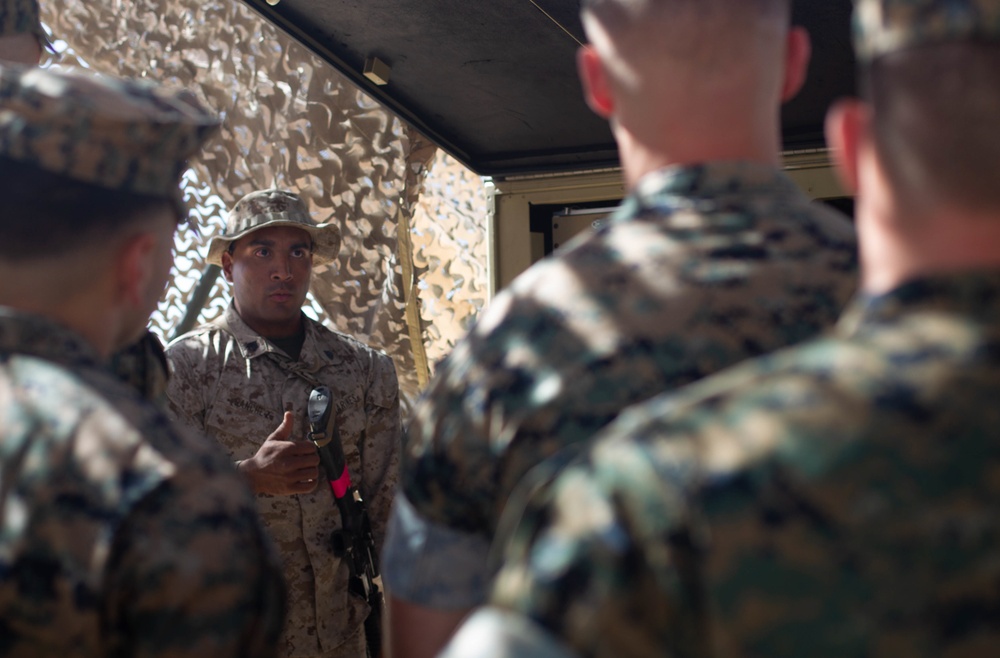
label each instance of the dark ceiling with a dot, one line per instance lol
(494, 82)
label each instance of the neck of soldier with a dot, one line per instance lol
(274, 329)
(722, 134)
(74, 295)
(901, 240)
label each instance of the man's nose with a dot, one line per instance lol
(282, 269)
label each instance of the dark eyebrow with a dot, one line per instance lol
(270, 243)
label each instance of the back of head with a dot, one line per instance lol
(711, 37)
(691, 80)
(930, 71)
(82, 157)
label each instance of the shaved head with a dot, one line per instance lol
(716, 41)
(704, 31)
(689, 80)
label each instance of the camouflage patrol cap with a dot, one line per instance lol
(885, 26)
(117, 134)
(22, 17)
(266, 208)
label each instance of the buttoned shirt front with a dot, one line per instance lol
(232, 384)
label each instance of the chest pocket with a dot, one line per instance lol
(240, 422)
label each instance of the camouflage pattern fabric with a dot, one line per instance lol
(701, 267)
(839, 498)
(274, 208)
(119, 134)
(20, 17)
(143, 366)
(230, 383)
(885, 26)
(119, 535)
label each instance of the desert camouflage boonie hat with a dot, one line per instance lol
(117, 134)
(22, 17)
(267, 208)
(885, 26)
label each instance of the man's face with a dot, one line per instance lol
(270, 271)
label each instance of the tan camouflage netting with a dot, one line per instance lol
(292, 121)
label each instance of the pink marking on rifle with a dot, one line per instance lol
(342, 484)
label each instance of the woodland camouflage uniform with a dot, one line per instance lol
(839, 498)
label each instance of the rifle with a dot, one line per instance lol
(354, 541)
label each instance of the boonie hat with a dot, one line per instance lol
(118, 134)
(267, 208)
(22, 17)
(885, 26)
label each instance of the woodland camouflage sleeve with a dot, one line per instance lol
(193, 574)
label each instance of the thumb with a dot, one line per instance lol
(284, 430)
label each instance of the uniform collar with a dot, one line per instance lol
(974, 295)
(688, 186)
(252, 344)
(34, 335)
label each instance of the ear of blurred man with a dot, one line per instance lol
(798, 52)
(595, 82)
(847, 125)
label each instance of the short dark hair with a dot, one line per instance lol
(47, 214)
(783, 6)
(935, 112)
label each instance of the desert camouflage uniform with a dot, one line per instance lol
(839, 498)
(701, 267)
(119, 535)
(234, 386)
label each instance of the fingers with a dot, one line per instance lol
(284, 430)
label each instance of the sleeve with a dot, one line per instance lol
(437, 549)
(191, 574)
(383, 443)
(432, 565)
(494, 633)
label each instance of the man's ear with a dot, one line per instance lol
(135, 267)
(798, 51)
(227, 265)
(595, 82)
(847, 127)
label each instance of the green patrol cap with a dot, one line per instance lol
(117, 134)
(885, 26)
(274, 207)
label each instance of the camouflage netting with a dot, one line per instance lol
(411, 275)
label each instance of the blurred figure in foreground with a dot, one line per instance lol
(839, 498)
(714, 257)
(119, 534)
